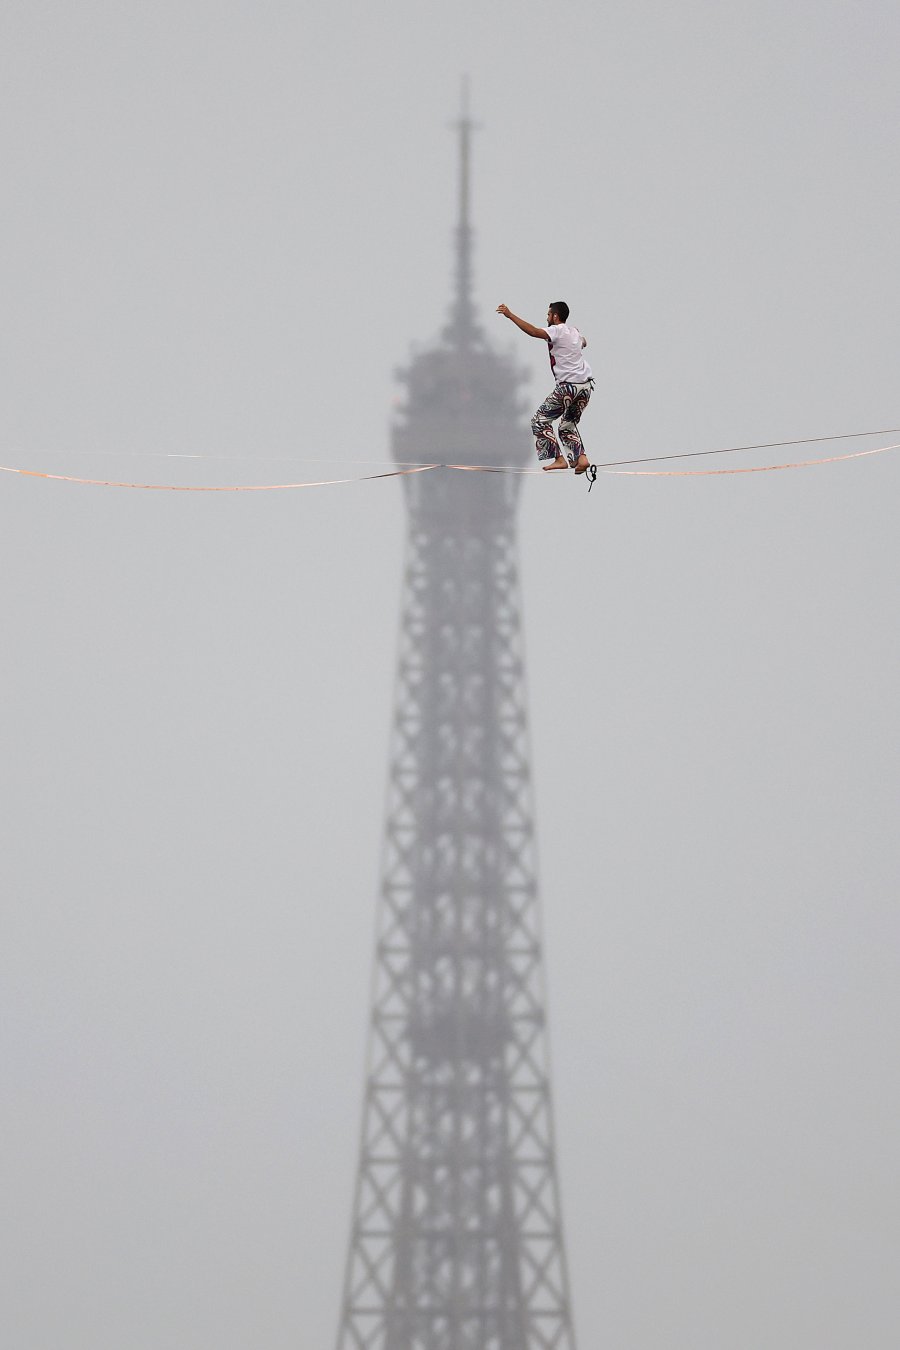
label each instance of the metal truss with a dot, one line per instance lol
(456, 1239)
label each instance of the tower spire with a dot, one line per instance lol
(462, 329)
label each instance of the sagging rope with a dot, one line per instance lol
(753, 468)
(613, 467)
(762, 445)
(227, 487)
(594, 469)
(423, 464)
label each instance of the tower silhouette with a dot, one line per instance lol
(456, 1240)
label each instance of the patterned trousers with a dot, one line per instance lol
(567, 402)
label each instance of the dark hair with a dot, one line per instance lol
(560, 309)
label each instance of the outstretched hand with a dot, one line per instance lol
(525, 326)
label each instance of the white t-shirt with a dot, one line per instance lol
(567, 355)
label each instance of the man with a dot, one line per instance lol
(570, 397)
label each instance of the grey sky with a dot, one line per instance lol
(224, 226)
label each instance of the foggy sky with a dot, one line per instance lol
(224, 228)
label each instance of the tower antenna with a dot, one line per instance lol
(463, 329)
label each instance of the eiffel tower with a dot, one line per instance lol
(456, 1240)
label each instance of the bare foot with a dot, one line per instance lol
(583, 464)
(559, 463)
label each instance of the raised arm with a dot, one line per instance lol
(525, 326)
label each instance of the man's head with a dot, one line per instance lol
(558, 312)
